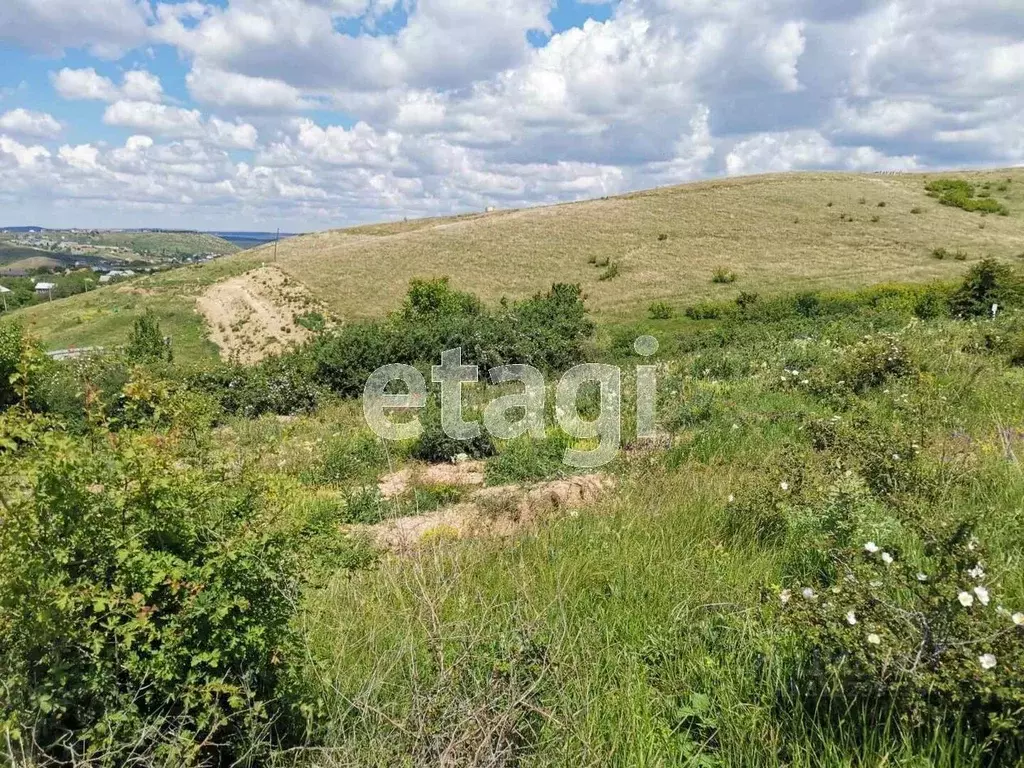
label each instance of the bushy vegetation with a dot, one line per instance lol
(548, 331)
(816, 562)
(962, 194)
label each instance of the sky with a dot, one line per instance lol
(312, 114)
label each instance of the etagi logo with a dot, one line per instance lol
(451, 374)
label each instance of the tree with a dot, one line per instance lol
(146, 343)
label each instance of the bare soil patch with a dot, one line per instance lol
(254, 315)
(499, 511)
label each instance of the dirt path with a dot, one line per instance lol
(253, 315)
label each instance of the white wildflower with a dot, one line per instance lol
(871, 547)
(887, 558)
(922, 577)
(977, 572)
(851, 618)
(808, 593)
(982, 594)
(784, 485)
(874, 639)
(966, 599)
(1018, 619)
(876, 584)
(987, 661)
(785, 596)
(895, 457)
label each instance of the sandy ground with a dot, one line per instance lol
(253, 315)
(498, 511)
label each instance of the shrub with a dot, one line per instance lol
(961, 194)
(312, 321)
(525, 459)
(142, 602)
(746, 300)
(921, 636)
(146, 343)
(940, 253)
(882, 204)
(706, 310)
(723, 275)
(986, 283)
(662, 237)
(281, 385)
(12, 345)
(435, 445)
(660, 311)
(916, 210)
(611, 272)
(548, 331)
(932, 303)
(870, 363)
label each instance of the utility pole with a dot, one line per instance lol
(276, 241)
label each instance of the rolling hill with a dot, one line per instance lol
(775, 232)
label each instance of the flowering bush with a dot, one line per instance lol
(925, 636)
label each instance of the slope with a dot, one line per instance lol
(775, 232)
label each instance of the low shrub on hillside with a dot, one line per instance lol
(722, 275)
(962, 194)
(870, 363)
(660, 311)
(280, 385)
(548, 331)
(434, 444)
(525, 460)
(924, 635)
(145, 603)
(988, 282)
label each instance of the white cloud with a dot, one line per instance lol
(178, 122)
(140, 85)
(456, 110)
(106, 28)
(39, 125)
(230, 89)
(88, 85)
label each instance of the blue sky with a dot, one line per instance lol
(309, 114)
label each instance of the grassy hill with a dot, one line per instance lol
(166, 244)
(775, 233)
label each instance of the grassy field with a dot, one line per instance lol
(817, 563)
(775, 233)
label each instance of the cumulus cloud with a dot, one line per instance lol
(230, 89)
(87, 84)
(106, 28)
(178, 122)
(22, 122)
(364, 109)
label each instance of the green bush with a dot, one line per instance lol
(280, 385)
(660, 310)
(988, 282)
(435, 445)
(611, 272)
(12, 345)
(924, 636)
(871, 363)
(722, 275)
(961, 194)
(146, 343)
(142, 602)
(548, 331)
(525, 460)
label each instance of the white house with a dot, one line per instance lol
(45, 287)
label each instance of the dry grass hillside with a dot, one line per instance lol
(775, 232)
(772, 231)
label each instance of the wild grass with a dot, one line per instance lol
(773, 230)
